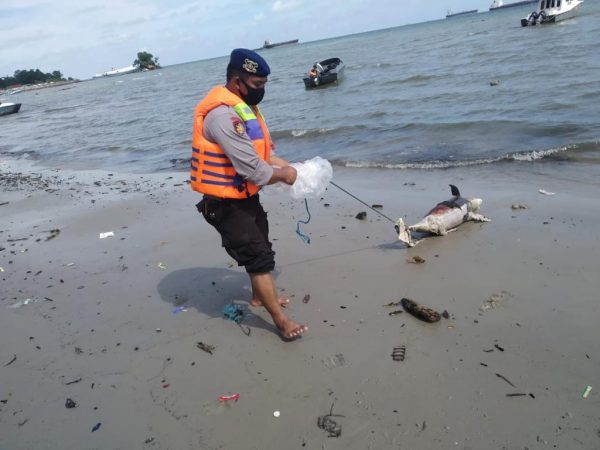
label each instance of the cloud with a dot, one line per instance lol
(286, 5)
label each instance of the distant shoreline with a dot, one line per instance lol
(34, 87)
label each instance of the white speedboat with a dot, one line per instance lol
(551, 11)
(9, 108)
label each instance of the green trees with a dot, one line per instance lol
(30, 76)
(146, 60)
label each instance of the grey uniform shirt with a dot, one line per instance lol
(222, 126)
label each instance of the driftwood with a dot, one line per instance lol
(420, 312)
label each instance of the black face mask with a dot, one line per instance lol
(254, 95)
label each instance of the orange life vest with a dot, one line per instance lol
(212, 171)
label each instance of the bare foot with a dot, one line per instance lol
(282, 302)
(290, 329)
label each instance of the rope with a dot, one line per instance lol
(367, 205)
(301, 235)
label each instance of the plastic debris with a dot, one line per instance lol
(276, 413)
(395, 313)
(518, 206)
(70, 404)
(1, 269)
(587, 391)
(106, 234)
(544, 192)
(233, 312)
(97, 426)
(312, 179)
(179, 309)
(306, 298)
(494, 82)
(229, 398)
(361, 215)
(206, 347)
(21, 303)
(162, 265)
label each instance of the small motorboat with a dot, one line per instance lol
(9, 108)
(551, 11)
(324, 72)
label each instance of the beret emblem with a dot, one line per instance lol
(250, 66)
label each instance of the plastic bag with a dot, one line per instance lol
(313, 177)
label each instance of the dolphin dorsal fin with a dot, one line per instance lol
(454, 190)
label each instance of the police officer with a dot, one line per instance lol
(232, 158)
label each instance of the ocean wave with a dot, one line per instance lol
(530, 156)
(309, 132)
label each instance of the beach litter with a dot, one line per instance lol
(97, 426)
(179, 309)
(328, 424)
(505, 379)
(229, 398)
(416, 260)
(396, 312)
(390, 304)
(233, 312)
(443, 218)
(1, 269)
(70, 404)
(106, 234)
(587, 391)
(495, 300)
(276, 413)
(494, 82)
(518, 206)
(72, 382)
(361, 215)
(544, 192)
(420, 312)
(206, 347)
(161, 265)
(11, 361)
(306, 298)
(22, 303)
(399, 353)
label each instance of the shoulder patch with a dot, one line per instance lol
(238, 126)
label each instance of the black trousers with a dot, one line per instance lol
(244, 231)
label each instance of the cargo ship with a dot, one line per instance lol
(269, 44)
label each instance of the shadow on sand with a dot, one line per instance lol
(209, 290)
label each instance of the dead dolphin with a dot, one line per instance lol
(443, 218)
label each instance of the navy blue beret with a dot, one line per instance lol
(249, 61)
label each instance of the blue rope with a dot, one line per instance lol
(301, 235)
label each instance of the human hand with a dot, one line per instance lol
(289, 175)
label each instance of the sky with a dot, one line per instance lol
(84, 37)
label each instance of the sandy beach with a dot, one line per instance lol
(95, 320)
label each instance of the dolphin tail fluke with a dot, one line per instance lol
(454, 190)
(403, 233)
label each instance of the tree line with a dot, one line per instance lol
(24, 77)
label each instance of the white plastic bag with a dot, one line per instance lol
(313, 177)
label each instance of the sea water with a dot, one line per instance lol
(471, 90)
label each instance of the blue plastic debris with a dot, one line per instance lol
(179, 309)
(233, 312)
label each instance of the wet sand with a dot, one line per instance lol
(99, 327)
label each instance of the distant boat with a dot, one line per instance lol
(115, 72)
(462, 13)
(499, 4)
(9, 108)
(269, 44)
(551, 11)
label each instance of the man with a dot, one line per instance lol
(232, 158)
